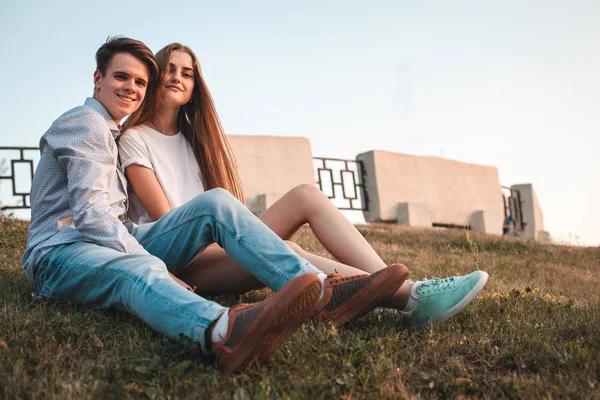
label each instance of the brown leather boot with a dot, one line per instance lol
(347, 298)
(255, 331)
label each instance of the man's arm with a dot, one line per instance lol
(82, 147)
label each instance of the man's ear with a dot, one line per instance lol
(97, 76)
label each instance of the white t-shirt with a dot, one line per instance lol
(172, 160)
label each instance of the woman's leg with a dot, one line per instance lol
(306, 204)
(216, 216)
(214, 271)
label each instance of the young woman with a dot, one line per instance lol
(175, 147)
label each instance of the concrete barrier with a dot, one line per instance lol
(532, 214)
(456, 193)
(414, 214)
(270, 166)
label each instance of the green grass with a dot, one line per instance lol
(534, 332)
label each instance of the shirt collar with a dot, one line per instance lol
(98, 107)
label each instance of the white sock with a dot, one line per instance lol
(322, 276)
(413, 299)
(220, 329)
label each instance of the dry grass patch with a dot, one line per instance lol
(534, 332)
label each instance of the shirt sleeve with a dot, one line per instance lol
(133, 150)
(83, 149)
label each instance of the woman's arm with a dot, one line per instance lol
(148, 190)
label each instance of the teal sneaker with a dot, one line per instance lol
(440, 299)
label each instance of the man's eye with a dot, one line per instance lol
(141, 83)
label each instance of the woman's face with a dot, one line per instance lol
(179, 79)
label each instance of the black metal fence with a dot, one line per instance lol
(19, 172)
(341, 180)
(513, 212)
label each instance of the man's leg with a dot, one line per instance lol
(86, 273)
(178, 236)
(216, 216)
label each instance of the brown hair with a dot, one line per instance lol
(117, 44)
(200, 124)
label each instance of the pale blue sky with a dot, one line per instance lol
(512, 84)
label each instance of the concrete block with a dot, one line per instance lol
(453, 190)
(544, 237)
(271, 165)
(259, 204)
(486, 222)
(532, 212)
(414, 214)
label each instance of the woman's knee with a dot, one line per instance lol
(306, 191)
(295, 246)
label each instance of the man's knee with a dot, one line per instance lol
(215, 197)
(146, 269)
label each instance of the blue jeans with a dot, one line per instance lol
(86, 273)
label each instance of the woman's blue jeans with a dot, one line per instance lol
(86, 273)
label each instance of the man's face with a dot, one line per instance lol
(122, 89)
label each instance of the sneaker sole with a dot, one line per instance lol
(458, 307)
(380, 289)
(287, 311)
(298, 314)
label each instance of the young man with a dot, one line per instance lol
(79, 251)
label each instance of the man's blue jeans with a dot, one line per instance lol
(86, 273)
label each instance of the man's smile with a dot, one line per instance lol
(125, 98)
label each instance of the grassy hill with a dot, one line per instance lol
(533, 332)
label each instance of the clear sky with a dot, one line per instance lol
(511, 84)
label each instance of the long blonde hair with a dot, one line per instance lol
(199, 123)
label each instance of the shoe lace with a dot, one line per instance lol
(337, 278)
(436, 284)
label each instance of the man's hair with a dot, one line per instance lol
(117, 44)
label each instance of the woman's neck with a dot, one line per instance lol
(165, 121)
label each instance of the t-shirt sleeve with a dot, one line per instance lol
(133, 150)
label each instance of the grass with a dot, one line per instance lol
(533, 332)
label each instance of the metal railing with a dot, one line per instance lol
(352, 189)
(513, 212)
(341, 180)
(12, 177)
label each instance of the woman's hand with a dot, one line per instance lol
(180, 282)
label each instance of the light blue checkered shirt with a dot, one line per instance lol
(79, 190)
